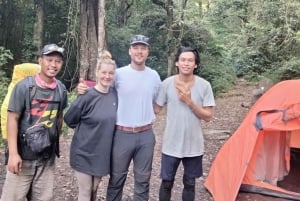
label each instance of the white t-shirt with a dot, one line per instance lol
(183, 136)
(137, 91)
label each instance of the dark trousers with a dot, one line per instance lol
(192, 170)
(188, 193)
(139, 148)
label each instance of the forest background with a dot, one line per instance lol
(253, 39)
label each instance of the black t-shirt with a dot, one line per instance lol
(44, 107)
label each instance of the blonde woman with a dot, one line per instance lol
(93, 116)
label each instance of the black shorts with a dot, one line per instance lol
(169, 165)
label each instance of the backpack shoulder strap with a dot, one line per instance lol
(30, 92)
(62, 93)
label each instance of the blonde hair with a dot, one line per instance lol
(106, 58)
(106, 54)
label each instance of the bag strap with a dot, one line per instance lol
(30, 85)
(62, 91)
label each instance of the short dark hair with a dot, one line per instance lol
(189, 49)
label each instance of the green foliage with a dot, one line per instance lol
(215, 58)
(143, 17)
(70, 72)
(235, 37)
(297, 36)
(261, 35)
(71, 97)
(5, 55)
(118, 44)
(289, 70)
(4, 81)
(153, 25)
(56, 21)
(17, 20)
(219, 73)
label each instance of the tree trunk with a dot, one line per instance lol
(88, 38)
(170, 39)
(174, 43)
(101, 29)
(38, 25)
(83, 51)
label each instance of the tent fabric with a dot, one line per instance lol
(20, 72)
(295, 139)
(258, 153)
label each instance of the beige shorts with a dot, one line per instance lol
(37, 177)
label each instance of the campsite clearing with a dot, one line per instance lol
(228, 116)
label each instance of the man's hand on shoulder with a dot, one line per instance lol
(82, 87)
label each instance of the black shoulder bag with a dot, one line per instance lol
(37, 137)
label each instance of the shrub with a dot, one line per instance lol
(289, 70)
(4, 81)
(71, 97)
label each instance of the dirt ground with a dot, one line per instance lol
(228, 116)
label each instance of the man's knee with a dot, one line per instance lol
(117, 180)
(189, 183)
(168, 185)
(142, 177)
(188, 193)
(115, 187)
(142, 182)
(165, 190)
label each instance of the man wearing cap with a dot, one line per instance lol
(137, 86)
(30, 173)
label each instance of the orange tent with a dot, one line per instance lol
(257, 155)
